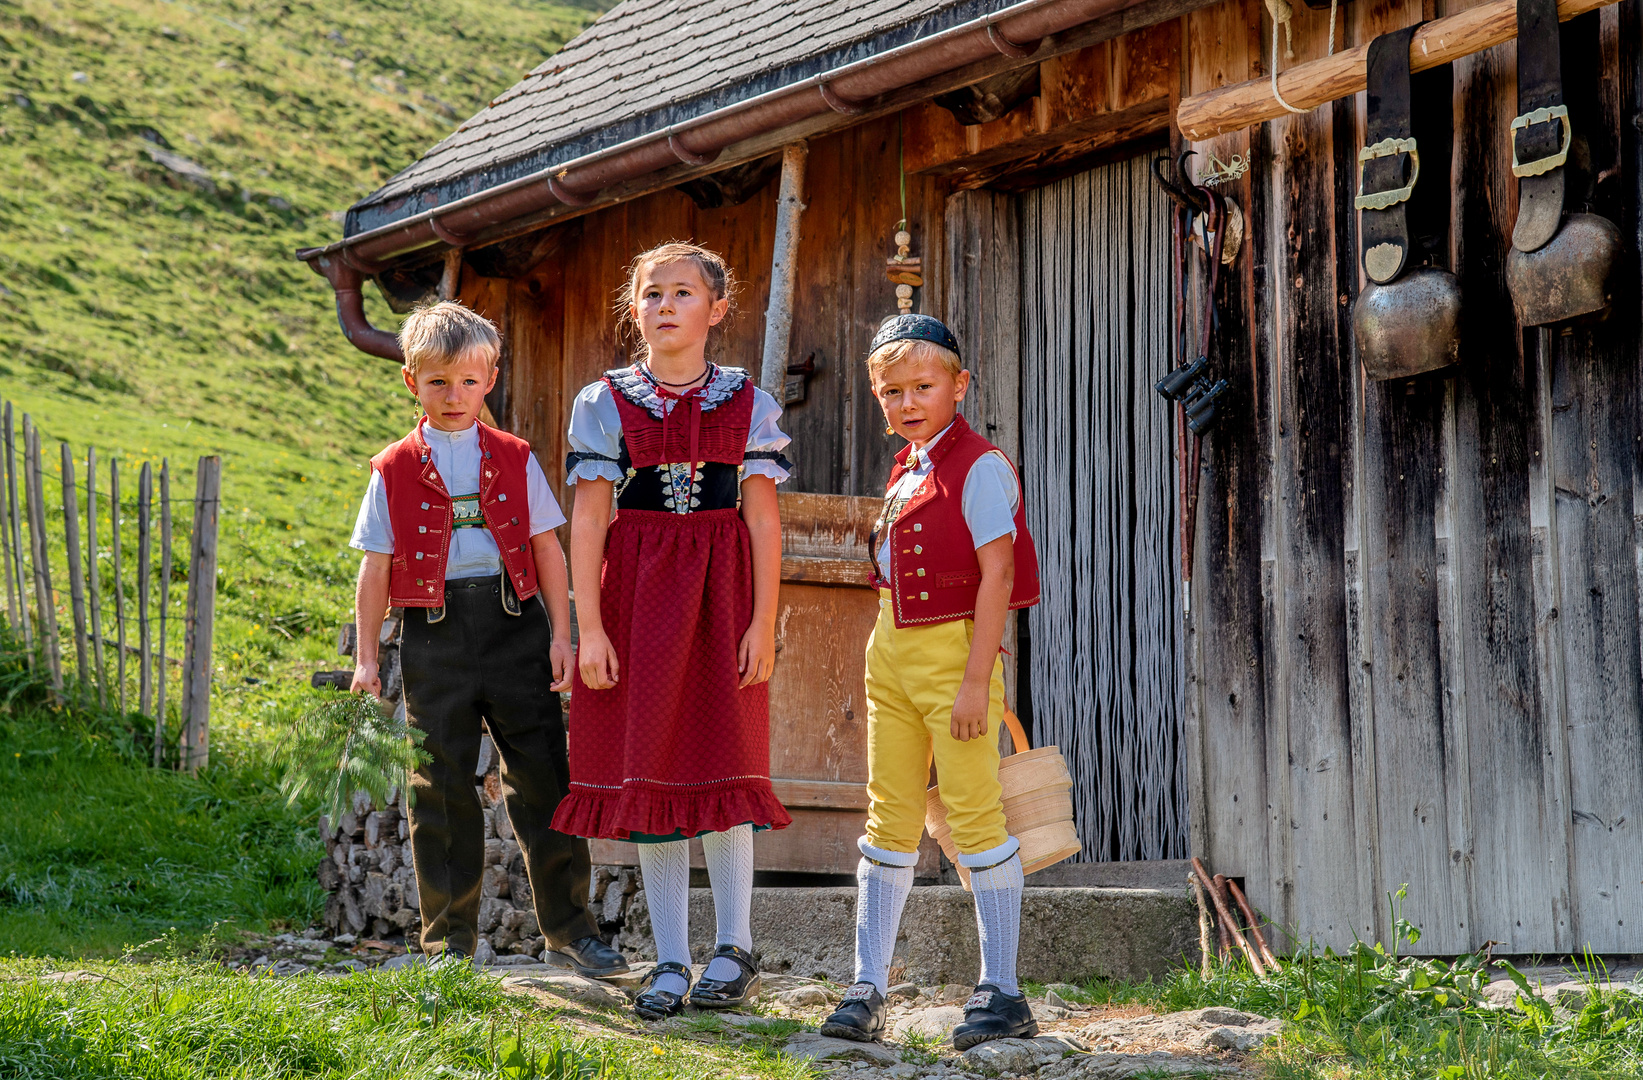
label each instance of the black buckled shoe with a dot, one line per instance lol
(992, 1014)
(653, 1004)
(590, 956)
(447, 955)
(728, 994)
(860, 1015)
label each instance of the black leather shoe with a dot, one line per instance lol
(860, 1015)
(654, 1004)
(447, 955)
(728, 993)
(590, 956)
(992, 1014)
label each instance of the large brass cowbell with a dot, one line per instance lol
(1407, 319)
(1561, 266)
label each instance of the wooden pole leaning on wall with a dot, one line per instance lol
(76, 575)
(119, 695)
(1306, 86)
(94, 581)
(778, 316)
(145, 554)
(40, 555)
(165, 597)
(195, 750)
(14, 524)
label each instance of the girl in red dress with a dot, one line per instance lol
(676, 607)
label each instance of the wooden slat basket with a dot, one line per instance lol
(1038, 806)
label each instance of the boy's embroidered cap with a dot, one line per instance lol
(914, 328)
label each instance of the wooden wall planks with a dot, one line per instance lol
(1447, 647)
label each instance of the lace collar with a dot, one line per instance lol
(636, 384)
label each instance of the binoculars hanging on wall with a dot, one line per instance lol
(1192, 387)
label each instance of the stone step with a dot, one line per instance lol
(1067, 934)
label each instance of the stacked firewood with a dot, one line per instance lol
(368, 872)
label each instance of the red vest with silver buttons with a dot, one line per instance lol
(934, 572)
(419, 510)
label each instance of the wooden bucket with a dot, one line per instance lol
(1038, 806)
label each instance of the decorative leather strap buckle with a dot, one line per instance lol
(1552, 161)
(1382, 200)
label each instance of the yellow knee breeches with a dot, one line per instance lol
(913, 675)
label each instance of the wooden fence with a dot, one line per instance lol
(138, 623)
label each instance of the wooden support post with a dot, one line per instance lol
(95, 581)
(202, 598)
(76, 574)
(40, 555)
(165, 598)
(1306, 86)
(14, 525)
(13, 586)
(119, 695)
(778, 315)
(145, 553)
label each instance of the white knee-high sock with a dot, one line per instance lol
(730, 870)
(997, 891)
(883, 880)
(665, 871)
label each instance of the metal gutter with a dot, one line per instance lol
(1016, 31)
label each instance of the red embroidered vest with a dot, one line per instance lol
(419, 510)
(934, 572)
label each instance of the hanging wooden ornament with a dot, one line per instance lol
(905, 269)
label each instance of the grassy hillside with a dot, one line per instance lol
(159, 162)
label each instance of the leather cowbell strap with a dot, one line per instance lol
(1403, 189)
(1541, 134)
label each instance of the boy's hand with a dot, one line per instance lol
(970, 710)
(562, 656)
(756, 656)
(600, 669)
(366, 678)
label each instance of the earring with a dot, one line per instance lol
(888, 430)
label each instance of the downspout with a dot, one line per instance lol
(346, 282)
(1016, 31)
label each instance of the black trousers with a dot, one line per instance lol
(479, 662)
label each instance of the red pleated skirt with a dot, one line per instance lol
(674, 748)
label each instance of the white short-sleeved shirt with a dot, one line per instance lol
(596, 425)
(473, 551)
(991, 495)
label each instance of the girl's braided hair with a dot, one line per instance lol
(716, 274)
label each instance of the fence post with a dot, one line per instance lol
(119, 695)
(12, 585)
(14, 525)
(145, 553)
(95, 578)
(76, 571)
(165, 596)
(39, 552)
(202, 602)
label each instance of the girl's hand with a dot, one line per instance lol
(756, 656)
(562, 657)
(366, 677)
(970, 711)
(596, 658)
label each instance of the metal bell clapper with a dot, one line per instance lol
(1571, 275)
(1409, 326)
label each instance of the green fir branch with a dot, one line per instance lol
(350, 744)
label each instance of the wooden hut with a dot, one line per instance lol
(1409, 651)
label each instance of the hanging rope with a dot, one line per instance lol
(1283, 13)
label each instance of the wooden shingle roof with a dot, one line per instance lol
(642, 66)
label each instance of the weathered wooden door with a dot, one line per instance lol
(1103, 663)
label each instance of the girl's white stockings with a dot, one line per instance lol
(666, 872)
(730, 870)
(665, 869)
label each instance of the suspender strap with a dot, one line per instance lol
(1403, 190)
(1541, 134)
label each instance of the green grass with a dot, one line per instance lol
(149, 318)
(183, 1020)
(98, 850)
